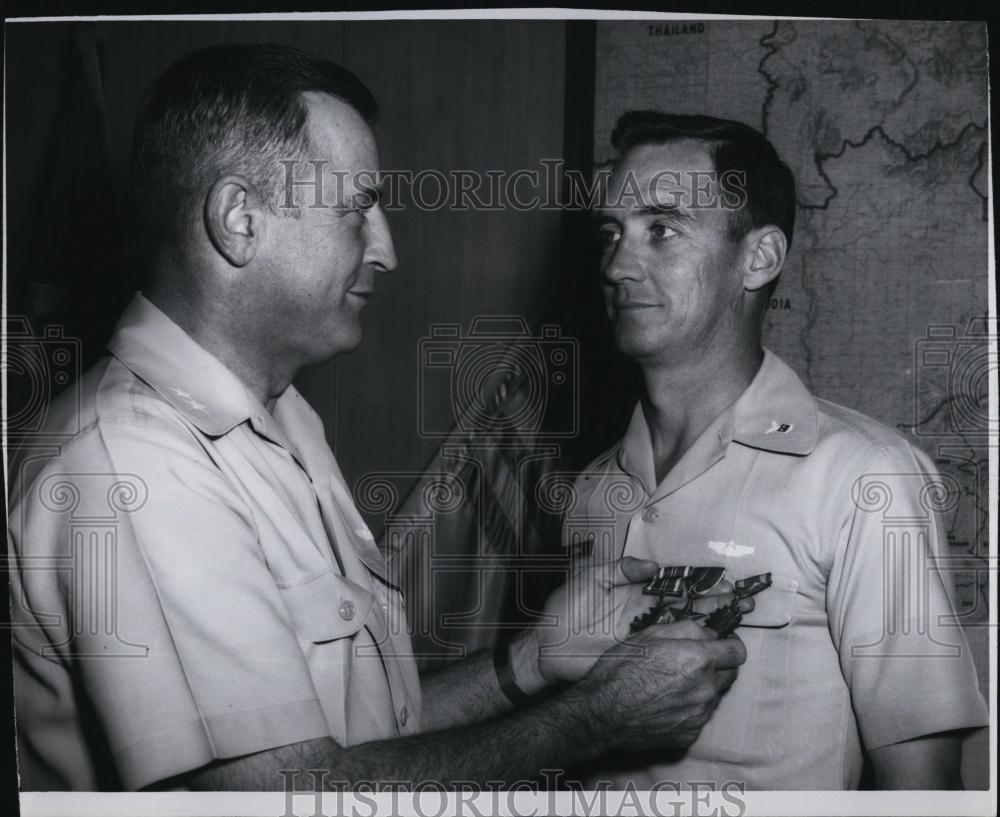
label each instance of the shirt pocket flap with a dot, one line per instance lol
(775, 606)
(328, 607)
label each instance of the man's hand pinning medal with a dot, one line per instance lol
(685, 592)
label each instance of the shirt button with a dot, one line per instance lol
(347, 609)
(404, 716)
(650, 515)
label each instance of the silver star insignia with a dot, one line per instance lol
(187, 398)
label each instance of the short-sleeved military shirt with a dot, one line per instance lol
(191, 580)
(854, 644)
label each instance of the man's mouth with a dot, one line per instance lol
(626, 304)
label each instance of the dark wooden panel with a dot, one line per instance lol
(139, 51)
(134, 54)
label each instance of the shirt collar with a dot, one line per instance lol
(776, 413)
(635, 455)
(183, 373)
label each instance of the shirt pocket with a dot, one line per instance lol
(327, 611)
(774, 607)
(749, 726)
(327, 607)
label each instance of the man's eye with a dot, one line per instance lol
(609, 235)
(662, 231)
(353, 215)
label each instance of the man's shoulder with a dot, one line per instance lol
(81, 426)
(602, 477)
(853, 436)
(108, 393)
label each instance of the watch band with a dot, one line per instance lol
(505, 674)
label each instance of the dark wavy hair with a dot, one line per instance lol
(769, 183)
(227, 109)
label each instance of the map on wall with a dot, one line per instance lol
(882, 303)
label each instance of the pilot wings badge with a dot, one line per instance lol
(730, 549)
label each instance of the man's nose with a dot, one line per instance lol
(380, 252)
(620, 264)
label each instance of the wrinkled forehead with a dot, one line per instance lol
(675, 174)
(338, 134)
(342, 144)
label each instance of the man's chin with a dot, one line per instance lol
(348, 344)
(635, 345)
(336, 347)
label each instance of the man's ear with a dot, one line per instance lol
(768, 247)
(234, 219)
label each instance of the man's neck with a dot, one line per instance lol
(212, 331)
(682, 399)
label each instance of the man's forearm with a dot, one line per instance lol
(929, 762)
(657, 690)
(553, 733)
(468, 691)
(462, 693)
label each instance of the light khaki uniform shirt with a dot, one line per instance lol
(191, 580)
(855, 644)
